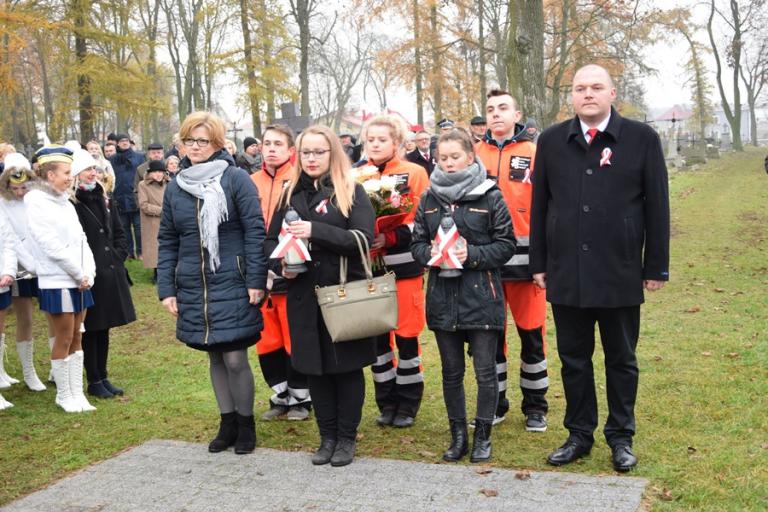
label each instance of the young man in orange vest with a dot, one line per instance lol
(291, 398)
(508, 154)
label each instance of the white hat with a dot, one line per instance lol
(81, 160)
(72, 145)
(16, 160)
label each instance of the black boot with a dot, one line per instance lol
(99, 390)
(246, 435)
(459, 441)
(481, 446)
(344, 453)
(112, 388)
(325, 452)
(227, 434)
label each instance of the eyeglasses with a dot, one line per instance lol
(200, 142)
(317, 153)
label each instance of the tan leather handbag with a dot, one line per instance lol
(359, 309)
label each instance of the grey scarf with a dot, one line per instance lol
(204, 182)
(450, 187)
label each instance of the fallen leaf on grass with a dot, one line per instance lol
(692, 449)
(657, 358)
(719, 290)
(732, 355)
(427, 454)
(25, 437)
(737, 293)
(407, 440)
(558, 395)
(706, 354)
(489, 493)
(291, 430)
(693, 309)
(690, 265)
(764, 446)
(484, 470)
(523, 475)
(666, 495)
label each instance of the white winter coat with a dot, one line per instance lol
(8, 243)
(59, 247)
(16, 213)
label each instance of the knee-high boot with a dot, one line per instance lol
(26, 353)
(5, 379)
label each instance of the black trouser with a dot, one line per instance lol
(130, 220)
(338, 400)
(619, 330)
(290, 385)
(400, 388)
(95, 354)
(483, 349)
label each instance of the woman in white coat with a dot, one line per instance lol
(7, 274)
(65, 270)
(14, 182)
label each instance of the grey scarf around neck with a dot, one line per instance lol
(204, 182)
(450, 187)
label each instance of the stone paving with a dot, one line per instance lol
(165, 476)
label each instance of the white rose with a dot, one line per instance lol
(372, 186)
(388, 183)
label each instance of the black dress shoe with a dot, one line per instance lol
(623, 458)
(568, 453)
(386, 418)
(403, 421)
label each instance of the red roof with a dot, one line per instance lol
(677, 113)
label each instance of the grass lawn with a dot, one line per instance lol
(702, 410)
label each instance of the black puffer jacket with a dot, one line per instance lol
(214, 311)
(476, 299)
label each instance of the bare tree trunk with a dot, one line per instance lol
(417, 64)
(531, 58)
(435, 65)
(85, 101)
(512, 53)
(250, 68)
(301, 10)
(481, 44)
(732, 115)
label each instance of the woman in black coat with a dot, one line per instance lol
(469, 307)
(113, 305)
(211, 270)
(330, 204)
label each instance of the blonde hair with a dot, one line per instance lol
(396, 126)
(5, 149)
(231, 146)
(213, 123)
(95, 143)
(339, 169)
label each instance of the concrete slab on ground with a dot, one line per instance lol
(171, 476)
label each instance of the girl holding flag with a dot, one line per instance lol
(462, 223)
(312, 225)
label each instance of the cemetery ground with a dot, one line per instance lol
(702, 410)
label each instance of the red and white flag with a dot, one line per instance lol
(446, 240)
(289, 242)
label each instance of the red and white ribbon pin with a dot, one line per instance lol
(445, 243)
(605, 157)
(289, 242)
(322, 208)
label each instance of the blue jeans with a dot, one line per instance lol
(483, 344)
(132, 219)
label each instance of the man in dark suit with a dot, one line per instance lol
(422, 154)
(599, 236)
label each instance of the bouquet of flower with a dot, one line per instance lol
(391, 206)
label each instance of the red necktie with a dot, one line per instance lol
(592, 132)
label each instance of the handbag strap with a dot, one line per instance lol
(365, 257)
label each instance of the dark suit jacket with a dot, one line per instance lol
(416, 157)
(599, 230)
